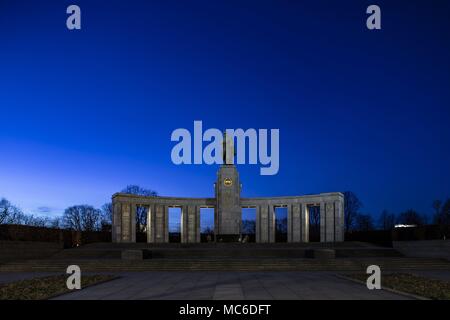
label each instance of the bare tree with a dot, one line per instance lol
(107, 212)
(443, 216)
(248, 226)
(34, 221)
(314, 223)
(437, 204)
(314, 217)
(9, 214)
(351, 209)
(141, 212)
(281, 225)
(209, 230)
(55, 222)
(364, 222)
(82, 218)
(137, 190)
(441, 212)
(445, 212)
(387, 220)
(411, 217)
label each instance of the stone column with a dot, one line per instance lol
(191, 224)
(296, 223)
(330, 222)
(342, 215)
(126, 223)
(289, 223)
(117, 222)
(339, 220)
(184, 224)
(133, 222)
(154, 225)
(150, 224)
(323, 227)
(264, 224)
(257, 225)
(113, 225)
(305, 223)
(272, 221)
(159, 224)
(197, 224)
(166, 224)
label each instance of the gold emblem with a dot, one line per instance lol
(228, 182)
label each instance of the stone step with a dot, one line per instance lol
(226, 265)
(225, 252)
(251, 246)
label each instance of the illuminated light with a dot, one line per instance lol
(405, 226)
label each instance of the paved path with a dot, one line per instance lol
(230, 285)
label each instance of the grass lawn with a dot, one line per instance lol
(405, 282)
(45, 287)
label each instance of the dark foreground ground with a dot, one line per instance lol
(222, 285)
(227, 271)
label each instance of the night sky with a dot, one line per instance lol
(84, 113)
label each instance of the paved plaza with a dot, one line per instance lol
(229, 286)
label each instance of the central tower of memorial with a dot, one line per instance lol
(228, 213)
(228, 196)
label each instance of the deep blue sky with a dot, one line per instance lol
(84, 113)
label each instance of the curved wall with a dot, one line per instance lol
(331, 216)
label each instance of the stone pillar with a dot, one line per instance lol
(257, 225)
(323, 226)
(305, 223)
(264, 224)
(197, 224)
(133, 222)
(192, 224)
(159, 224)
(150, 224)
(184, 224)
(117, 222)
(296, 223)
(166, 224)
(272, 221)
(289, 223)
(339, 220)
(330, 222)
(342, 215)
(113, 224)
(126, 232)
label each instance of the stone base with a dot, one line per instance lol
(227, 238)
(132, 255)
(321, 253)
(136, 254)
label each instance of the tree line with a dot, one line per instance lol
(78, 217)
(357, 220)
(88, 218)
